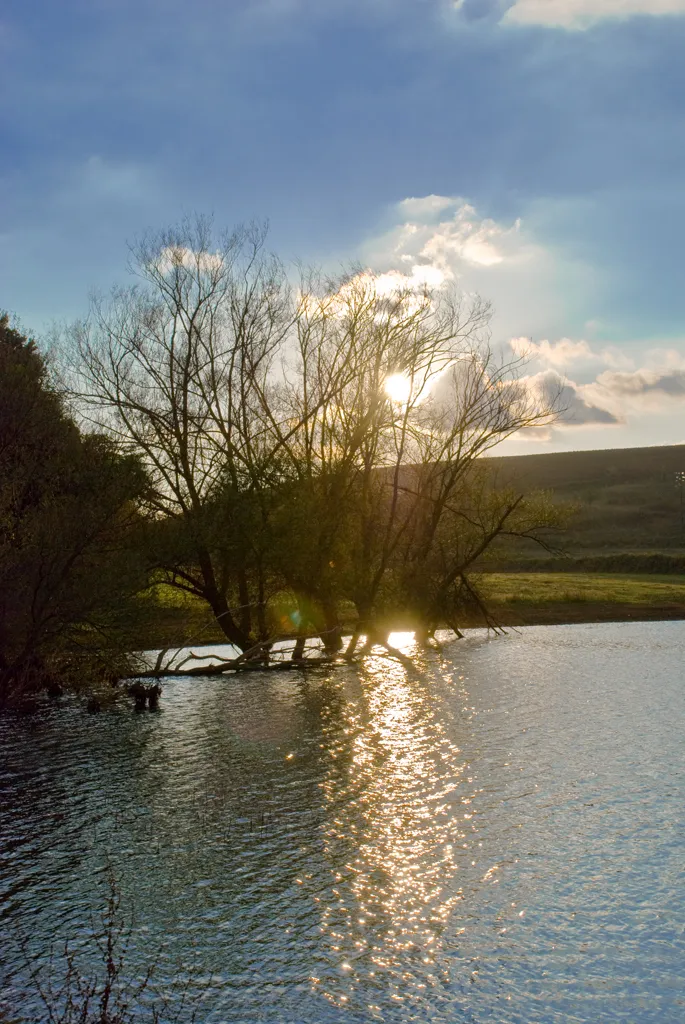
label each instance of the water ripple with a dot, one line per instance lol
(494, 837)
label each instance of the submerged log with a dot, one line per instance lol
(265, 656)
(234, 665)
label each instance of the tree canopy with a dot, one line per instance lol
(68, 570)
(322, 440)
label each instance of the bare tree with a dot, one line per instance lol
(321, 439)
(451, 511)
(176, 369)
(408, 396)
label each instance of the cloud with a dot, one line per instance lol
(446, 239)
(650, 391)
(180, 256)
(581, 14)
(630, 398)
(566, 352)
(568, 397)
(669, 383)
(545, 291)
(665, 359)
(445, 233)
(421, 277)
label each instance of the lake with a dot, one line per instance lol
(496, 837)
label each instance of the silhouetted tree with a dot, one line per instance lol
(177, 370)
(320, 440)
(68, 569)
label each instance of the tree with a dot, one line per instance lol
(67, 510)
(320, 440)
(408, 397)
(176, 369)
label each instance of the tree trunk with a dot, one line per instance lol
(262, 624)
(332, 636)
(423, 635)
(245, 616)
(219, 605)
(298, 649)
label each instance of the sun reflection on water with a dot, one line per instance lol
(403, 642)
(392, 843)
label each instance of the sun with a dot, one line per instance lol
(398, 388)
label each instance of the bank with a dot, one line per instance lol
(515, 599)
(527, 599)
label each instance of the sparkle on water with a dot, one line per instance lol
(493, 837)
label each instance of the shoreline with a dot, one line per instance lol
(577, 613)
(515, 600)
(509, 615)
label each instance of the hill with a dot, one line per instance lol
(630, 507)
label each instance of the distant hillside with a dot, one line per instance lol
(631, 500)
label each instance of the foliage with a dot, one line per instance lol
(282, 455)
(68, 571)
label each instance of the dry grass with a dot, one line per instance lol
(541, 588)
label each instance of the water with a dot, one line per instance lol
(494, 838)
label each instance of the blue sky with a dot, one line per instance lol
(531, 150)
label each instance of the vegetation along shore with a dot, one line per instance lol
(218, 454)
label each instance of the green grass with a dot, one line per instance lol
(538, 598)
(515, 599)
(536, 588)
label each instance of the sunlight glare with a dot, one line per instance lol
(402, 641)
(398, 388)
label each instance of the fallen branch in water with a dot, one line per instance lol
(234, 665)
(262, 657)
(257, 658)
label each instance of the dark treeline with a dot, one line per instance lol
(285, 454)
(69, 572)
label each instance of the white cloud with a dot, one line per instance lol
(536, 291)
(665, 359)
(445, 239)
(418, 208)
(565, 353)
(442, 238)
(436, 240)
(181, 256)
(441, 230)
(667, 383)
(614, 396)
(580, 14)
(422, 276)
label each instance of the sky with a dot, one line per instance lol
(531, 151)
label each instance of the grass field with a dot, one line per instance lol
(527, 598)
(558, 586)
(516, 599)
(627, 500)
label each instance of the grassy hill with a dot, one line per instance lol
(630, 507)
